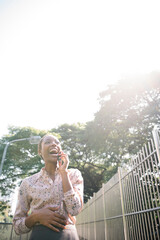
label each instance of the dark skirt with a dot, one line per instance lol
(41, 232)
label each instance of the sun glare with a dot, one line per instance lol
(57, 56)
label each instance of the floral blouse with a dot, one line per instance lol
(40, 191)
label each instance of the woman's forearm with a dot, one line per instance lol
(66, 183)
(73, 191)
(31, 220)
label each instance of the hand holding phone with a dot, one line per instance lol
(59, 156)
(63, 161)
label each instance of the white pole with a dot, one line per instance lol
(3, 157)
(156, 140)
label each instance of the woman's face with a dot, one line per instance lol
(50, 147)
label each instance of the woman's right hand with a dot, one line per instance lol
(52, 219)
(49, 217)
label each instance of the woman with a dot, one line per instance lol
(53, 196)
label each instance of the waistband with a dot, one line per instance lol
(40, 226)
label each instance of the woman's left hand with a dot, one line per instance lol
(64, 162)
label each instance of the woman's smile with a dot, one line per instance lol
(50, 148)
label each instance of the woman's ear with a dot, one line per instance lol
(42, 160)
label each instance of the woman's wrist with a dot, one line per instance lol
(32, 219)
(64, 172)
(66, 181)
(65, 175)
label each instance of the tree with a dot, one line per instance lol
(5, 211)
(128, 111)
(21, 158)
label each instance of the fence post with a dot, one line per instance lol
(81, 223)
(88, 220)
(156, 140)
(11, 232)
(94, 204)
(104, 210)
(84, 224)
(81, 231)
(122, 203)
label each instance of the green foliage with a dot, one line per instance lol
(5, 212)
(21, 159)
(128, 111)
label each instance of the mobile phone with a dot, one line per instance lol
(59, 157)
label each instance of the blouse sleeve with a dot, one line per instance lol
(74, 198)
(21, 211)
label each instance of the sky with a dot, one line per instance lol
(56, 56)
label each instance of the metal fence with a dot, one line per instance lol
(7, 233)
(128, 206)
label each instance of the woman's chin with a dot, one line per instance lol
(52, 160)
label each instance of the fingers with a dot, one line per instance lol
(53, 208)
(58, 224)
(59, 158)
(64, 161)
(51, 218)
(53, 228)
(63, 156)
(56, 214)
(60, 220)
(58, 217)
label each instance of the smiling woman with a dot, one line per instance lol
(49, 146)
(54, 196)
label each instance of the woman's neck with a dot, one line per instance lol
(50, 169)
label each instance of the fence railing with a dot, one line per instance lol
(7, 233)
(128, 206)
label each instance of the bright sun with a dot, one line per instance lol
(56, 56)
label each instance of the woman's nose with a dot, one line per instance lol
(53, 144)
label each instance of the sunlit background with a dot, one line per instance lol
(56, 56)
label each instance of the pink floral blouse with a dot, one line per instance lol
(40, 191)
